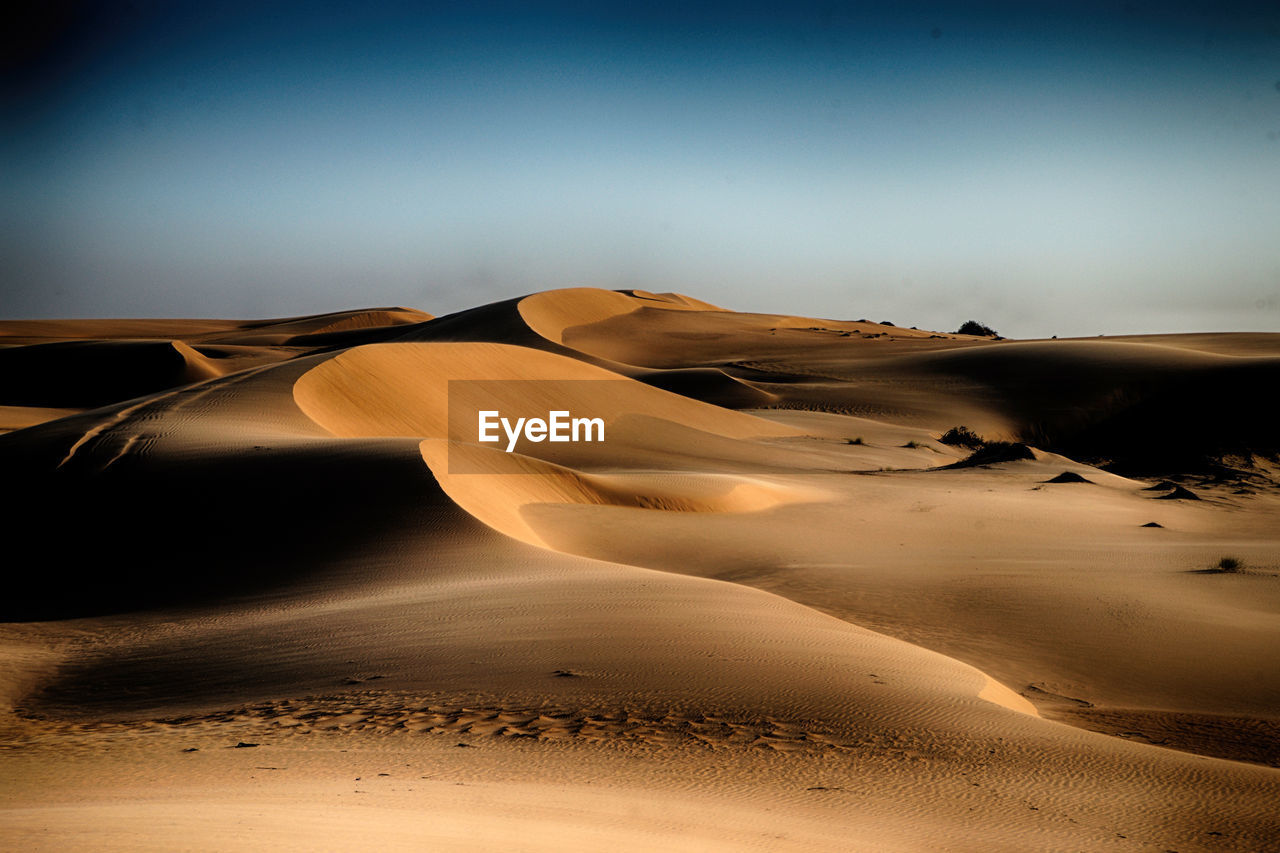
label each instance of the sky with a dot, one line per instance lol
(1072, 169)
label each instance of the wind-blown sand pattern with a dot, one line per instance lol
(265, 591)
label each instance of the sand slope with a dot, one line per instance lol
(793, 627)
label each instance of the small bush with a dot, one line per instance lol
(994, 452)
(885, 323)
(973, 327)
(962, 436)
(857, 440)
(1230, 564)
(914, 445)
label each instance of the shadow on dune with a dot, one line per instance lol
(710, 385)
(1186, 422)
(1136, 409)
(87, 374)
(138, 536)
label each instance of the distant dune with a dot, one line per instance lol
(266, 588)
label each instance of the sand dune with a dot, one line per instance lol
(267, 589)
(437, 390)
(1093, 398)
(48, 365)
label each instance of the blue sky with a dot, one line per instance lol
(1047, 169)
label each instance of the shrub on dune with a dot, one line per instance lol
(962, 436)
(995, 452)
(973, 327)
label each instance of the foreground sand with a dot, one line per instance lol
(267, 592)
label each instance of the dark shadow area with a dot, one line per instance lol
(710, 385)
(1185, 422)
(208, 528)
(87, 374)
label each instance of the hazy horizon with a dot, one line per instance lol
(1060, 169)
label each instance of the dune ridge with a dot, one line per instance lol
(405, 389)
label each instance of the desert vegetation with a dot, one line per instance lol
(973, 327)
(1229, 565)
(962, 436)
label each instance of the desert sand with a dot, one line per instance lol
(265, 589)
